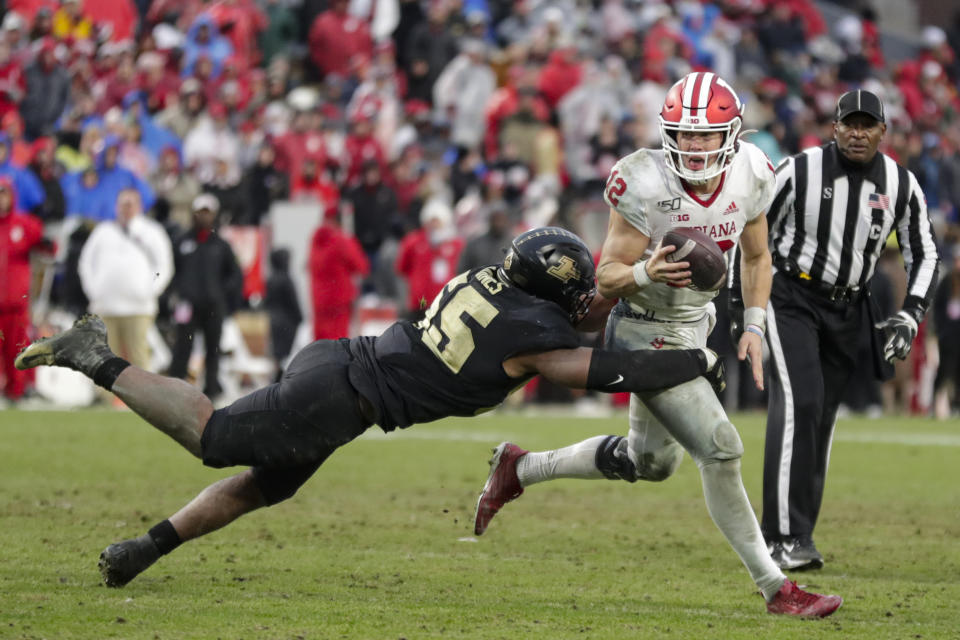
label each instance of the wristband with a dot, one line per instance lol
(640, 275)
(752, 328)
(757, 317)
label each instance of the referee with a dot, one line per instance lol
(834, 207)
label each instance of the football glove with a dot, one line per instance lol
(898, 334)
(715, 374)
(735, 310)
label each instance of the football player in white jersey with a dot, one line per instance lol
(705, 177)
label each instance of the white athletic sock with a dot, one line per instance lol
(576, 461)
(730, 509)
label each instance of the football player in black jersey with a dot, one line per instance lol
(488, 331)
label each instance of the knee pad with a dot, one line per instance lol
(652, 449)
(726, 444)
(614, 461)
(657, 466)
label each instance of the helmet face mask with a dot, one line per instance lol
(555, 265)
(700, 102)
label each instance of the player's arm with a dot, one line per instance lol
(756, 277)
(596, 317)
(613, 372)
(621, 271)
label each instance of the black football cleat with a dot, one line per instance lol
(82, 347)
(797, 554)
(122, 562)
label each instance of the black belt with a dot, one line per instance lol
(829, 292)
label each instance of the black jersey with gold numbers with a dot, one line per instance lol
(451, 362)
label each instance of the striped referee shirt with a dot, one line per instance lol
(832, 220)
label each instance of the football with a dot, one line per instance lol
(708, 268)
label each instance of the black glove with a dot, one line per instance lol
(898, 334)
(735, 310)
(715, 375)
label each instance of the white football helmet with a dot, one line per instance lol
(700, 101)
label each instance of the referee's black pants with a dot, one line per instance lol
(813, 346)
(209, 320)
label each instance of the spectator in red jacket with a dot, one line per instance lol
(336, 38)
(336, 260)
(561, 73)
(506, 101)
(241, 21)
(313, 183)
(12, 84)
(118, 18)
(19, 234)
(361, 147)
(428, 257)
(21, 152)
(303, 140)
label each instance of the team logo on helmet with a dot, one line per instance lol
(565, 269)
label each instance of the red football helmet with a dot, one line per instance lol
(700, 101)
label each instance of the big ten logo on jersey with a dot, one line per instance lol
(680, 217)
(615, 188)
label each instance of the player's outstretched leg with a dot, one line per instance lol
(502, 485)
(791, 600)
(216, 506)
(173, 406)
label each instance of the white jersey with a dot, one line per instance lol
(654, 200)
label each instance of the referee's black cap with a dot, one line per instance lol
(859, 101)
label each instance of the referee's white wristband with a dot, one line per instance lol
(757, 317)
(640, 275)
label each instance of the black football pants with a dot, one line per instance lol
(286, 430)
(813, 346)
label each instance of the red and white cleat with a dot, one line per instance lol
(791, 600)
(502, 485)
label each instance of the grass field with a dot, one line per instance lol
(379, 543)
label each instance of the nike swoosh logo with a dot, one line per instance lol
(619, 379)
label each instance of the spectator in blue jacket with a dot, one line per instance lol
(116, 178)
(152, 136)
(87, 194)
(204, 39)
(30, 193)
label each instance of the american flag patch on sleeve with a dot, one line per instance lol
(879, 201)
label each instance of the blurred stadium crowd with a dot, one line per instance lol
(402, 141)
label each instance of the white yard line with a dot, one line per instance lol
(912, 439)
(480, 435)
